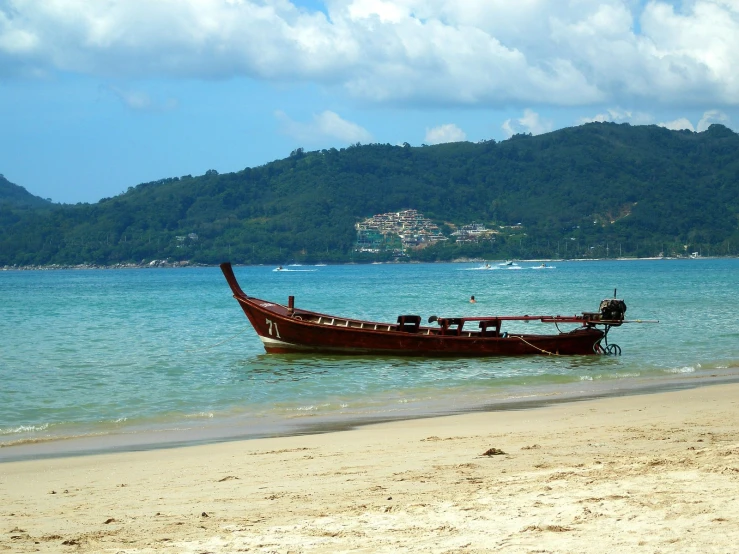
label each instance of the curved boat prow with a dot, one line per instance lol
(231, 278)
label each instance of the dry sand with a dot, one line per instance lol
(650, 473)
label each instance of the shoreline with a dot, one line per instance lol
(165, 264)
(224, 430)
(655, 471)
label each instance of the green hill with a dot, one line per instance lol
(590, 191)
(12, 195)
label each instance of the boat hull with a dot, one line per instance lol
(325, 341)
(285, 330)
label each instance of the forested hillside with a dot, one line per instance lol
(591, 191)
(12, 195)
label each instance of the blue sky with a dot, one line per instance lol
(99, 96)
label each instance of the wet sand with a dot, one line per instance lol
(646, 473)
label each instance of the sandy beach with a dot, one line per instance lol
(645, 473)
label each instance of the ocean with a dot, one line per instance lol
(128, 359)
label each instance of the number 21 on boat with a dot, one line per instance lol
(273, 324)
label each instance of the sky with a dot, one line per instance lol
(100, 95)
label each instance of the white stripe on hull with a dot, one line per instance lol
(270, 342)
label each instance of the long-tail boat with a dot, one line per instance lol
(287, 329)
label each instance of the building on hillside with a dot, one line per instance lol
(383, 231)
(473, 233)
(369, 239)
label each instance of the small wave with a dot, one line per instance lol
(47, 438)
(408, 400)
(311, 409)
(307, 408)
(24, 429)
(614, 376)
(718, 365)
(206, 415)
(684, 369)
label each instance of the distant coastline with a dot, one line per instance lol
(186, 263)
(130, 265)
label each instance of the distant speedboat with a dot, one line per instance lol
(285, 270)
(509, 265)
(484, 267)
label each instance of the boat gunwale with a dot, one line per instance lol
(392, 328)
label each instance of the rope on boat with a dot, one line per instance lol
(539, 349)
(244, 330)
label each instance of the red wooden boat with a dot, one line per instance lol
(286, 329)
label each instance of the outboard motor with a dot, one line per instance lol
(612, 309)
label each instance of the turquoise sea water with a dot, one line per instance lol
(124, 359)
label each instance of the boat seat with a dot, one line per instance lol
(409, 323)
(446, 322)
(490, 328)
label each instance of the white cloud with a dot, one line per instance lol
(597, 118)
(530, 122)
(709, 117)
(326, 125)
(444, 52)
(618, 115)
(678, 125)
(392, 12)
(448, 132)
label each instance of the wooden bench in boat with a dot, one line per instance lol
(409, 323)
